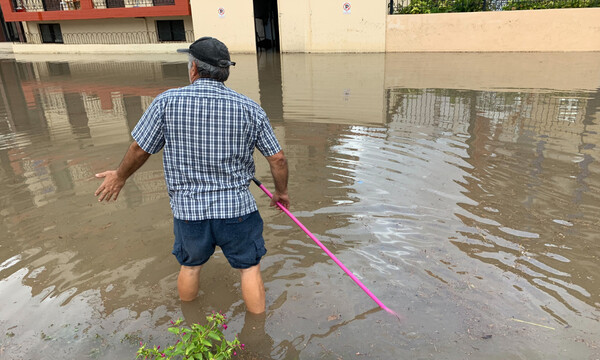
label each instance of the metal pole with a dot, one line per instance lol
(329, 253)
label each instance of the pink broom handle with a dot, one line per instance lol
(339, 263)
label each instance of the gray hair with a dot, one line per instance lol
(208, 71)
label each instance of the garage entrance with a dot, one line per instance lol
(266, 25)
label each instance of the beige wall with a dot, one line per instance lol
(322, 26)
(524, 30)
(235, 28)
(6, 48)
(338, 88)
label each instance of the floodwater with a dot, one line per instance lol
(462, 189)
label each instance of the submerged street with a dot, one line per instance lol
(462, 189)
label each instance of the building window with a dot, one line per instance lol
(51, 5)
(115, 3)
(170, 30)
(163, 2)
(51, 33)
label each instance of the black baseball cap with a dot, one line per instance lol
(210, 51)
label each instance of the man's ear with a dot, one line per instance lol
(194, 72)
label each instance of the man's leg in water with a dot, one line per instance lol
(253, 289)
(188, 282)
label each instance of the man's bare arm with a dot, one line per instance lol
(279, 170)
(114, 180)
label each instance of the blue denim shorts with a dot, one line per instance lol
(240, 238)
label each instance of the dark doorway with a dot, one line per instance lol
(266, 25)
(14, 31)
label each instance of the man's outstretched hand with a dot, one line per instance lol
(110, 187)
(114, 180)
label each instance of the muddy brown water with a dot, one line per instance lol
(462, 189)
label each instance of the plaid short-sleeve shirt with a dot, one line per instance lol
(208, 133)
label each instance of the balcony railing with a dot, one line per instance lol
(140, 37)
(107, 4)
(62, 5)
(45, 5)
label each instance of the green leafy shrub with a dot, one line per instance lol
(446, 6)
(549, 4)
(466, 6)
(440, 6)
(196, 343)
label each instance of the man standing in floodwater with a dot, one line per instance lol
(208, 133)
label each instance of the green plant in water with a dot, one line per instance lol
(196, 343)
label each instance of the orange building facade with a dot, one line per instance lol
(100, 21)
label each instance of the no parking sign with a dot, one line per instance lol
(221, 12)
(346, 7)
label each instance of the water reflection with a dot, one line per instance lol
(399, 172)
(529, 173)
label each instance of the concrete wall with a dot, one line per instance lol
(524, 30)
(323, 26)
(235, 27)
(6, 48)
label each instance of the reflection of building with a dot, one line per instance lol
(448, 110)
(72, 107)
(531, 162)
(63, 104)
(509, 113)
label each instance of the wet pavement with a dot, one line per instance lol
(462, 189)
